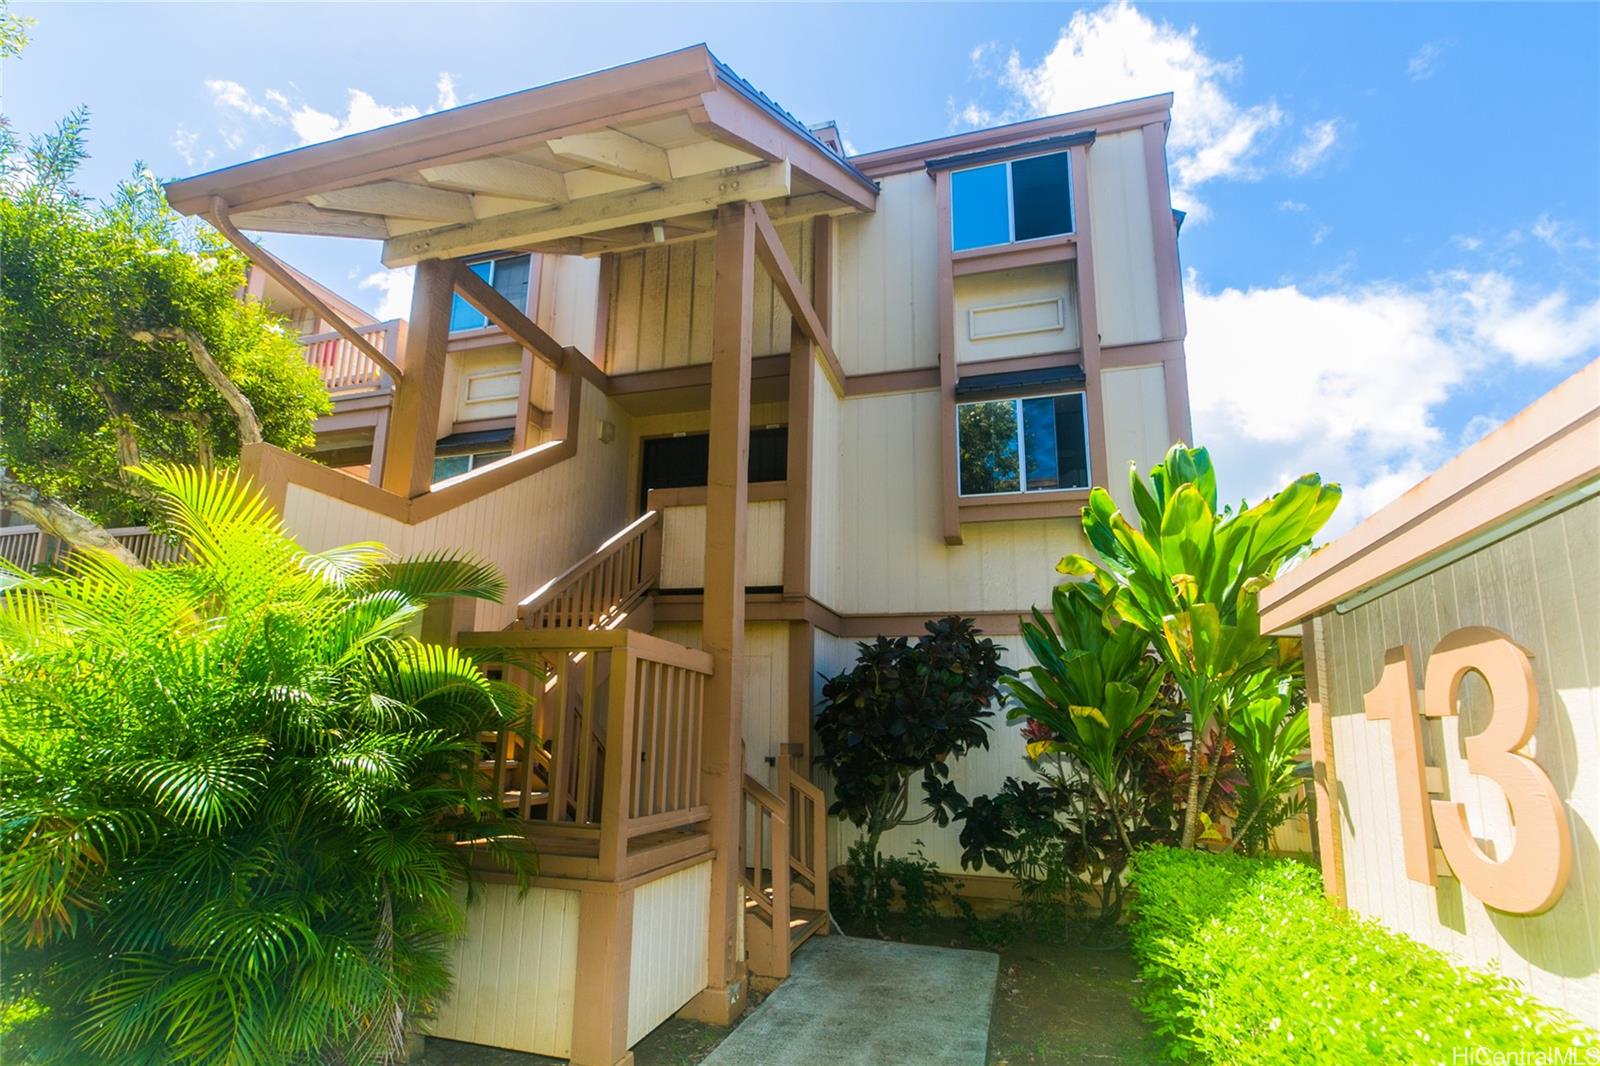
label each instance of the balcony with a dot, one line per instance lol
(346, 372)
(29, 547)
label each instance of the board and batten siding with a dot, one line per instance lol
(1137, 431)
(1539, 586)
(886, 280)
(1121, 227)
(1010, 313)
(660, 304)
(670, 924)
(683, 545)
(532, 529)
(515, 971)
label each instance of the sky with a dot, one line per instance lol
(1393, 232)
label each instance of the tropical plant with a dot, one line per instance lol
(236, 794)
(1190, 576)
(906, 709)
(125, 343)
(1269, 735)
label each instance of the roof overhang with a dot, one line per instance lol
(636, 154)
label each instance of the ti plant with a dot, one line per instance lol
(1269, 734)
(1190, 576)
(1092, 686)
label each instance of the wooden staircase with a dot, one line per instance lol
(785, 837)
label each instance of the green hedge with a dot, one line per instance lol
(1244, 962)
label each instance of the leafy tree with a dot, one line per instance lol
(125, 342)
(235, 793)
(1190, 576)
(989, 447)
(906, 709)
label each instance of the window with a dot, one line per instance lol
(1034, 444)
(1018, 200)
(449, 466)
(508, 276)
(681, 461)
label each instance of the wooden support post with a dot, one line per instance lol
(414, 424)
(802, 664)
(604, 977)
(949, 460)
(727, 490)
(1088, 316)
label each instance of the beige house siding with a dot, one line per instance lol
(515, 970)
(670, 919)
(1538, 586)
(1124, 243)
(886, 306)
(1136, 425)
(1007, 313)
(683, 545)
(569, 294)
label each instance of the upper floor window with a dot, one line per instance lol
(509, 277)
(1017, 200)
(1031, 444)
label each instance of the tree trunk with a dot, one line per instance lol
(1191, 813)
(244, 412)
(54, 517)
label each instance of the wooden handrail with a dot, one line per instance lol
(598, 590)
(347, 369)
(29, 546)
(764, 873)
(808, 828)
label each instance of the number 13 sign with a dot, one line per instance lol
(1531, 877)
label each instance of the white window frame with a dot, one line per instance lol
(1011, 206)
(1022, 446)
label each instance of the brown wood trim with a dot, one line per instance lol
(273, 470)
(525, 422)
(775, 260)
(602, 312)
(1118, 356)
(1011, 364)
(685, 377)
(774, 607)
(1112, 118)
(797, 512)
(949, 460)
(1089, 316)
(1011, 508)
(479, 425)
(695, 495)
(1169, 280)
(918, 379)
(1014, 256)
(731, 117)
(1324, 769)
(289, 278)
(414, 424)
(802, 666)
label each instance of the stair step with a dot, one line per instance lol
(803, 924)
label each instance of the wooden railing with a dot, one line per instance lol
(765, 875)
(618, 716)
(808, 829)
(598, 591)
(346, 371)
(29, 546)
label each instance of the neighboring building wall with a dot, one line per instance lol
(1539, 586)
(886, 283)
(1124, 243)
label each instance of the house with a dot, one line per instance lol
(719, 400)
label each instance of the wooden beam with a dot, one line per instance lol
(280, 272)
(769, 249)
(497, 309)
(733, 118)
(949, 460)
(314, 221)
(399, 199)
(414, 424)
(500, 177)
(611, 211)
(722, 632)
(615, 153)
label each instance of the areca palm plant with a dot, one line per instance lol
(236, 793)
(1190, 576)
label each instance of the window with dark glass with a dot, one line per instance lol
(683, 461)
(449, 466)
(508, 276)
(1017, 200)
(1032, 444)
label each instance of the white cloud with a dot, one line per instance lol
(185, 142)
(1467, 243)
(1351, 383)
(231, 96)
(1116, 53)
(1426, 60)
(1291, 205)
(394, 292)
(1560, 236)
(1319, 141)
(277, 107)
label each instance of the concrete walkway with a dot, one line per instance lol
(852, 1002)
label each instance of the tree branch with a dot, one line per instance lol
(243, 411)
(57, 518)
(121, 425)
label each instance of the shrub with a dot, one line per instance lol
(1245, 962)
(231, 793)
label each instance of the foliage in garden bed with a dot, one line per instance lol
(1245, 962)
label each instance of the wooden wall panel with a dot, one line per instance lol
(660, 307)
(1124, 242)
(515, 971)
(569, 293)
(670, 917)
(683, 545)
(1539, 586)
(1135, 402)
(886, 306)
(989, 308)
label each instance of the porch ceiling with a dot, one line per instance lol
(634, 155)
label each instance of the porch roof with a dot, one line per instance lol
(632, 155)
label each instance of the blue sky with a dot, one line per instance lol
(1392, 242)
